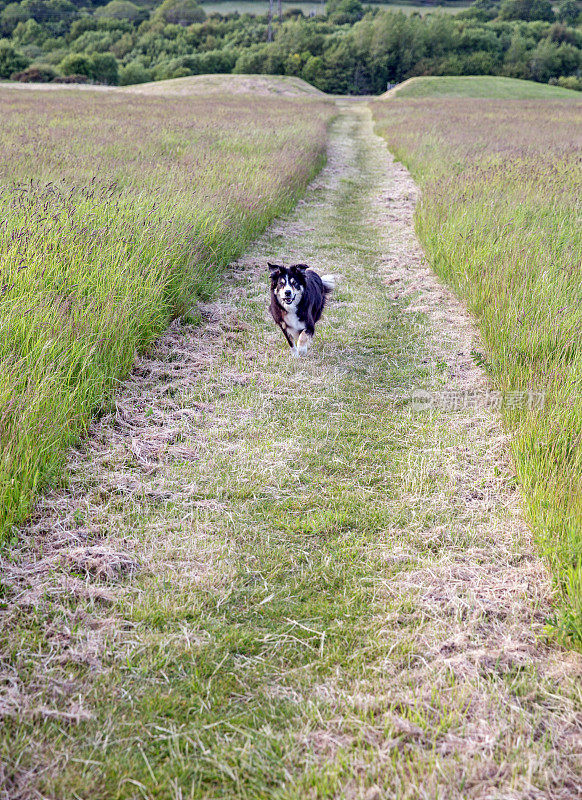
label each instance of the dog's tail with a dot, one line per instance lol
(328, 283)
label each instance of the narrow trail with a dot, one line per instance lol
(314, 589)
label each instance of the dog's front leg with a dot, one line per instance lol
(303, 343)
(290, 340)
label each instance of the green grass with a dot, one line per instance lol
(261, 8)
(306, 575)
(482, 86)
(117, 212)
(500, 222)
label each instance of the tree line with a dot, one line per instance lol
(351, 49)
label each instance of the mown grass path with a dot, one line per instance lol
(337, 594)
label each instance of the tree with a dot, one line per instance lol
(76, 64)
(134, 72)
(550, 60)
(100, 67)
(342, 12)
(104, 69)
(180, 12)
(29, 32)
(529, 10)
(313, 71)
(568, 12)
(11, 16)
(10, 59)
(482, 10)
(41, 73)
(122, 9)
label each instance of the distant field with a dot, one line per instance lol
(251, 7)
(500, 221)
(481, 86)
(119, 210)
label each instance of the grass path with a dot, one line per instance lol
(315, 589)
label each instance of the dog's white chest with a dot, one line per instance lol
(292, 322)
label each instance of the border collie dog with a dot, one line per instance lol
(297, 301)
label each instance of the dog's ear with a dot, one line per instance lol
(300, 267)
(273, 269)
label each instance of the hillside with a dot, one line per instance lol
(257, 85)
(480, 86)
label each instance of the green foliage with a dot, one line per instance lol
(212, 62)
(528, 10)
(11, 16)
(266, 59)
(550, 60)
(346, 52)
(482, 10)
(572, 82)
(76, 64)
(342, 12)
(122, 9)
(104, 68)
(54, 15)
(11, 60)
(29, 32)
(99, 67)
(180, 12)
(36, 73)
(134, 72)
(568, 12)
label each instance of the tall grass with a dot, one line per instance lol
(116, 213)
(500, 221)
(481, 86)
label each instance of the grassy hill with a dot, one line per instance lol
(263, 85)
(480, 86)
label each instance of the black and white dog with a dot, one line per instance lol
(297, 301)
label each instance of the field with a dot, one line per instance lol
(256, 576)
(255, 7)
(117, 212)
(500, 222)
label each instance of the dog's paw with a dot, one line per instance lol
(303, 343)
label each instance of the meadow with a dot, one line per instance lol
(317, 8)
(119, 212)
(500, 222)
(264, 577)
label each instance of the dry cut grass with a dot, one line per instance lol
(500, 221)
(116, 211)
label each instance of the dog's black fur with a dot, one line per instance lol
(298, 296)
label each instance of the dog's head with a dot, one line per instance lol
(288, 283)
